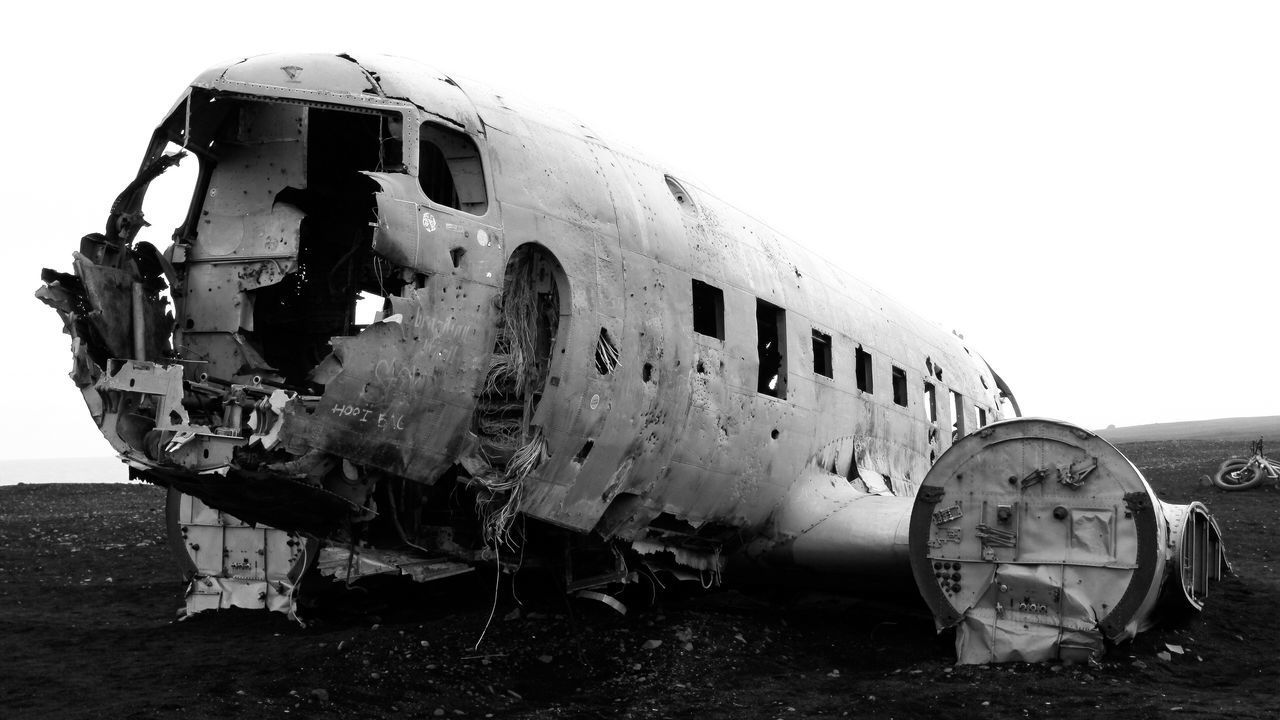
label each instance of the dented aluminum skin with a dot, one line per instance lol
(545, 343)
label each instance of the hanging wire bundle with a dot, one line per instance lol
(517, 373)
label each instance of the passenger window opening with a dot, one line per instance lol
(958, 419)
(899, 386)
(930, 402)
(862, 369)
(708, 310)
(982, 415)
(822, 354)
(771, 331)
(450, 171)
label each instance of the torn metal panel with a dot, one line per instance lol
(109, 290)
(411, 234)
(350, 564)
(405, 393)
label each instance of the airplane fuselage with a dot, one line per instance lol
(412, 313)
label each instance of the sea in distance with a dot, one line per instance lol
(64, 470)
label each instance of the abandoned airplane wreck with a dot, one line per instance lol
(414, 326)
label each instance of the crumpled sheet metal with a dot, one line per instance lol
(1005, 627)
(220, 593)
(348, 565)
(980, 641)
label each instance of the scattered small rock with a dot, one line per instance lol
(651, 644)
(320, 695)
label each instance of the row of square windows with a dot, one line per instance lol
(708, 319)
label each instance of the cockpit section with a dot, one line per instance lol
(191, 350)
(279, 247)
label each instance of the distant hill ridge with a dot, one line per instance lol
(1241, 428)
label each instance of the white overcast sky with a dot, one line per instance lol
(1086, 190)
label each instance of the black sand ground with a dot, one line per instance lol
(88, 597)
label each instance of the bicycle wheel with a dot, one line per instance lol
(1237, 474)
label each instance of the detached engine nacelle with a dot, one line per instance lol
(1037, 539)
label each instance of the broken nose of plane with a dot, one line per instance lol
(1038, 539)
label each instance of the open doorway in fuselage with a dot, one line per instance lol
(338, 274)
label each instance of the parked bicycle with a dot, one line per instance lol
(1241, 473)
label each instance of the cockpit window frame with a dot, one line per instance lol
(463, 160)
